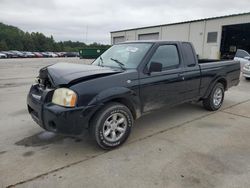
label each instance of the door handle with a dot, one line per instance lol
(182, 76)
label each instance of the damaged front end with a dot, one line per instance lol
(60, 115)
(43, 79)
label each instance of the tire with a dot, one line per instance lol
(247, 78)
(106, 129)
(215, 98)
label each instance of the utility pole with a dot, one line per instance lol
(86, 39)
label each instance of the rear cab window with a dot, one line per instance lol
(188, 54)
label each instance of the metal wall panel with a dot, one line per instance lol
(195, 32)
(196, 36)
(176, 32)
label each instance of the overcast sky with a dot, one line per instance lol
(71, 19)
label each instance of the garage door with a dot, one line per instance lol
(117, 40)
(149, 36)
(235, 37)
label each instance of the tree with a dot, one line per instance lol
(3, 45)
(13, 38)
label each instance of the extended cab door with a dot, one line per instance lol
(191, 72)
(158, 89)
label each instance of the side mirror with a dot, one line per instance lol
(247, 58)
(155, 67)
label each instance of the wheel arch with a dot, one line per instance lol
(126, 102)
(123, 96)
(221, 80)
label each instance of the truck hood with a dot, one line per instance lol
(68, 73)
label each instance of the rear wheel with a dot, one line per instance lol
(111, 126)
(215, 99)
(247, 78)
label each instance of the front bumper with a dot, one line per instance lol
(54, 118)
(246, 75)
(246, 72)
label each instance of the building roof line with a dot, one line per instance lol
(184, 22)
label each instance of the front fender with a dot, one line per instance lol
(130, 97)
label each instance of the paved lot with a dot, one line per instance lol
(185, 146)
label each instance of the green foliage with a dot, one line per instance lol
(3, 45)
(12, 38)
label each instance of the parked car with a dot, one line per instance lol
(71, 54)
(49, 54)
(52, 54)
(60, 54)
(38, 54)
(246, 71)
(10, 54)
(28, 54)
(242, 56)
(17, 53)
(45, 54)
(2, 55)
(128, 80)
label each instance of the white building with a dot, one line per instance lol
(211, 37)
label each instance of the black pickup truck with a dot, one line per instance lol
(127, 81)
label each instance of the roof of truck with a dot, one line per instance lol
(151, 41)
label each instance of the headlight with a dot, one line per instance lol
(64, 97)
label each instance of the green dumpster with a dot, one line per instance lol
(91, 53)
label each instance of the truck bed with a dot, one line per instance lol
(210, 70)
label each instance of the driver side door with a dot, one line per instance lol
(165, 88)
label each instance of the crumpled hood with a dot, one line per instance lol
(67, 73)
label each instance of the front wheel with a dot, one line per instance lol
(215, 99)
(111, 126)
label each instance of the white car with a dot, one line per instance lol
(52, 54)
(243, 57)
(246, 71)
(3, 55)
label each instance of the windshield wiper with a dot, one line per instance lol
(119, 63)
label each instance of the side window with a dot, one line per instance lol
(167, 55)
(188, 53)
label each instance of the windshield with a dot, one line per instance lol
(125, 56)
(241, 54)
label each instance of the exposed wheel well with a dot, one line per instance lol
(223, 82)
(127, 103)
(123, 101)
